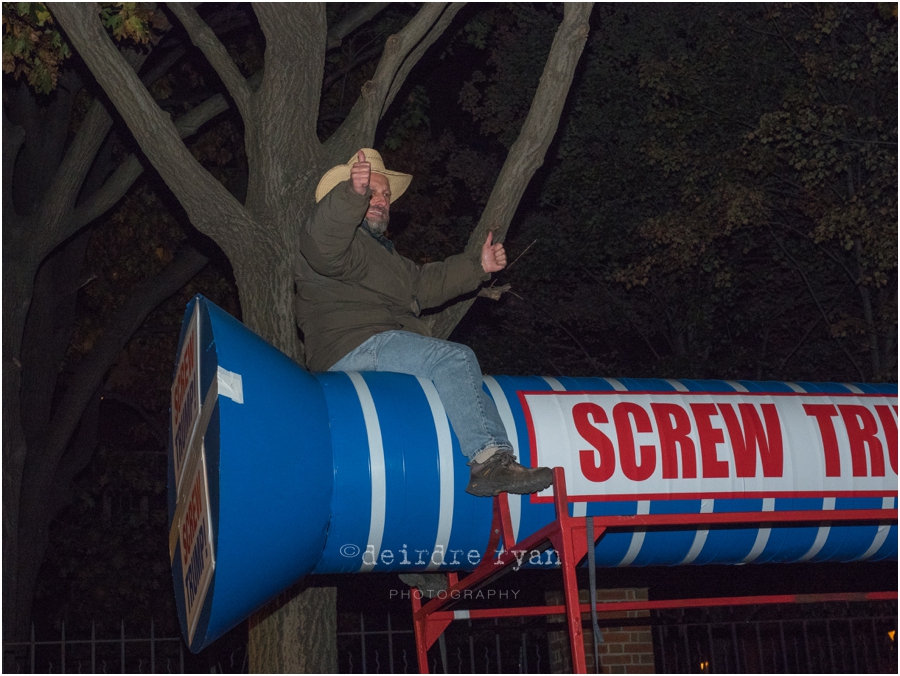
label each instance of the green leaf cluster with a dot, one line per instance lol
(32, 45)
(132, 21)
(34, 48)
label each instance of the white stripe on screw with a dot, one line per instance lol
(762, 535)
(881, 534)
(506, 417)
(376, 464)
(445, 463)
(637, 537)
(706, 507)
(822, 534)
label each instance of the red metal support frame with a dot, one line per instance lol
(568, 536)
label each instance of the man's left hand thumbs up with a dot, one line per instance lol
(493, 256)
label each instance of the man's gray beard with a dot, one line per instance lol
(377, 226)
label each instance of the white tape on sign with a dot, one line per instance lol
(231, 385)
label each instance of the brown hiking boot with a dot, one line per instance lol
(502, 474)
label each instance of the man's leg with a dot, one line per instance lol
(454, 370)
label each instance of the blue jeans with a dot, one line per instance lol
(456, 375)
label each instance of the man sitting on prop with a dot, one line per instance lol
(358, 303)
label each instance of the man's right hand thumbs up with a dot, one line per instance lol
(360, 173)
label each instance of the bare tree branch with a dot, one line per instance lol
(436, 31)
(90, 372)
(359, 128)
(818, 305)
(527, 154)
(211, 208)
(46, 137)
(364, 12)
(59, 199)
(128, 171)
(205, 39)
(284, 109)
(363, 57)
(13, 138)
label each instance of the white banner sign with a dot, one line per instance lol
(186, 395)
(632, 445)
(195, 534)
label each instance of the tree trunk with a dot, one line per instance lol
(285, 159)
(306, 619)
(17, 287)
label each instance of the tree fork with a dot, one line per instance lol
(527, 153)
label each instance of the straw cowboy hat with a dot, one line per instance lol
(398, 182)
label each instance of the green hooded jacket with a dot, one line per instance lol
(350, 287)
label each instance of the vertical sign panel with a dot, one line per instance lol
(186, 396)
(195, 534)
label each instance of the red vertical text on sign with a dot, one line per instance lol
(889, 425)
(823, 413)
(749, 435)
(674, 427)
(582, 414)
(191, 520)
(862, 432)
(632, 468)
(183, 379)
(710, 438)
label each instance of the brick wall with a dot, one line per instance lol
(624, 650)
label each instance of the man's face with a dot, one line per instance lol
(378, 214)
